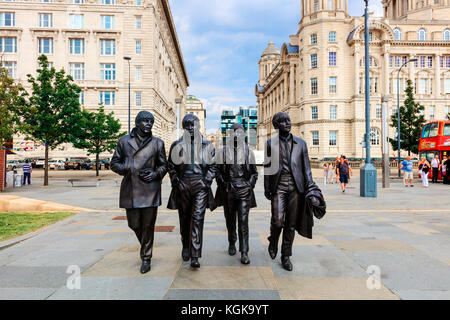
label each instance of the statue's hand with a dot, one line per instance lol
(147, 175)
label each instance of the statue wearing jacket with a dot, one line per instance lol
(237, 176)
(192, 171)
(140, 158)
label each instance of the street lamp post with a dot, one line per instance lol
(129, 93)
(398, 111)
(368, 182)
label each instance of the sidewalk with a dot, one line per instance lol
(405, 232)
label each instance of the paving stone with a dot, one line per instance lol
(114, 288)
(423, 294)
(28, 293)
(32, 277)
(373, 245)
(187, 294)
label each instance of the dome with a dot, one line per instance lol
(271, 49)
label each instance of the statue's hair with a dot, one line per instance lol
(278, 117)
(189, 118)
(237, 126)
(144, 115)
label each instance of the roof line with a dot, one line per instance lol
(173, 32)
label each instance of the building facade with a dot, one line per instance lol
(195, 106)
(248, 117)
(318, 77)
(89, 39)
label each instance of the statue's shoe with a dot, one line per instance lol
(146, 266)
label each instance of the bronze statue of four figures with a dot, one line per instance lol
(193, 164)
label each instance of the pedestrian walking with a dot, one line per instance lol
(325, 173)
(424, 169)
(344, 171)
(336, 163)
(331, 171)
(407, 167)
(27, 169)
(447, 172)
(436, 165)
(444, 169)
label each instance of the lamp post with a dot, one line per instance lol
(398, 111)
(129, 93)
(368, 182)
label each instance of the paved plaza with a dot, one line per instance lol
(404, 233)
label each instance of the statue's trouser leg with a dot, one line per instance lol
(199, 202)
(142, 222)
(292, 206)
(243, 207)
(230, 218)
(184, 214)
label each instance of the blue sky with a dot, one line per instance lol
(222, 41)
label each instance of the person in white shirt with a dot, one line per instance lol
(435, 165)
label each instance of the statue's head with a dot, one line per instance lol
(144, 121)
(191, 123)
(281, 121)
(238, 131)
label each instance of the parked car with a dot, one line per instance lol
(40, 163)
(78, 164)
(53, 164)
(14, 164)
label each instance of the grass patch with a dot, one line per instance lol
(15, 224)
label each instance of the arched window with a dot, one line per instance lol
(330, 4)
(375, 137)
(446, 35)
(422, 35)
(316, 5)
(397, 34)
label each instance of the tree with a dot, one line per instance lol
(99, 133)
(9, 99)
(51, 114)
(411, 122)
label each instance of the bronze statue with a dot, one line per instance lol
(237, 176)
(141, 159)
(191, 170)
(287, 178)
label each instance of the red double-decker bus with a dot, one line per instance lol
(435, 140)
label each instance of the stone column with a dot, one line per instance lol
(437, 76)
(286, 88)
(291, 86)
(356, 71)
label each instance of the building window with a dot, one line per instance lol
(447, 112)
(430, 61)
(315, 138)
(107, 47)
(370, 36)
(46, 45)
(333, 112)
(8, 44)
(45, 20)
(78, 1)
(315, 113)
(316, 5)
(375, 137)
(108, 71)
(76, 21)
(138, 22)
(314, 86)
(378, 111)
(107, 22)
(76, 46)
(138, 46)
(447, 85)
(7, 19)
(445, 61)
(332, 84)
(331, 58)
(432, 111)
(108, 2)
(138, 73)
(108, 98)
(330, 4)
(139, 2)
(138, 99)
(446, 35)
(314, 60)
(332, 36)
(397, 34)
(313, 38)
(11, 68)
(81, 98)
(397, 86)
(423, 86)
(422, 35)
(77, 71)
(333, 138)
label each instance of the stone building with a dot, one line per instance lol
(195, 106)
(318, 77)
(89, 39)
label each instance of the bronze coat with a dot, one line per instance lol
(251, 174)
(208, 168)
(128, 160)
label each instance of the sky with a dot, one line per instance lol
(222, 41)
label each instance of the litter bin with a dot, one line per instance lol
(18, 178)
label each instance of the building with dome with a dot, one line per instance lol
(318, 76)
